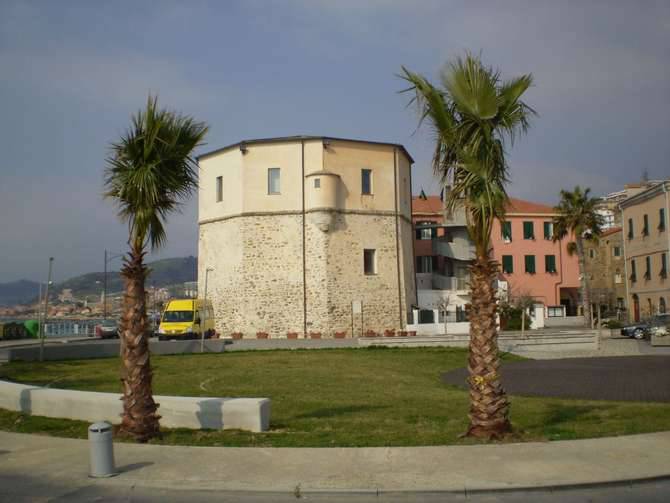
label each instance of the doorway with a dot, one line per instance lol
(636, 308)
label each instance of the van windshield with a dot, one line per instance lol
(177, 316)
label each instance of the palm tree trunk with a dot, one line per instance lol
(139, 418)
(586, 294)
(489, 408)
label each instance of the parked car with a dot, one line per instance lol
(644, 329)
(107, 329)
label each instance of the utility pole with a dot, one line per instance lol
(203, 317)
(39, 312)
(46, 309)
(104, 290)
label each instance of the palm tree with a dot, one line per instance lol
(577, 216)
(149, 173)
(475, 115)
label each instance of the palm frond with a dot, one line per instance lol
(151, 170)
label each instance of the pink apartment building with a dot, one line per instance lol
(532, 263)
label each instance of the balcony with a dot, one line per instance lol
(458, 249)
(455, 218)
(452, 283)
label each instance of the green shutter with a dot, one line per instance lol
(550, 263)
(530, 264)
(547, 230)
(528, 232)
(507, 231)
(507, 264)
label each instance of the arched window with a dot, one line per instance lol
(661, 306)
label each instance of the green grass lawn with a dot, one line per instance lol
(334, 397)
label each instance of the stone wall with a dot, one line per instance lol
(604, 269)
(256, 284)
(257, 281)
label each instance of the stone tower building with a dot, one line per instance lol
(307, 234)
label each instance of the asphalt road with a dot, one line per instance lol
(26, 489)
(643, 378)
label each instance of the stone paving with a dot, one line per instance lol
(628, 378)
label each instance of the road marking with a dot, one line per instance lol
(206, 381)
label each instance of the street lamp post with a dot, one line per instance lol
(204, 317)
(46, 309)
(108, 259)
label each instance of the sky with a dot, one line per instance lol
(72, 73)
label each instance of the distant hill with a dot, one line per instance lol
(18, 292)
(164, 272)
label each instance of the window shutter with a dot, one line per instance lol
(530, 264)
(507, 231)
(528, 230)
(508, 264)
(661, 219)
(547, 230)
(550, 263)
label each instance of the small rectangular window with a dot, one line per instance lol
(548, 230)
(647, 273)
(633, 273)
(664, 266)
(528, 231)
(550, 264)
(370, 262)
(317, 183)
(507, 231)
(631, 234)
(530, 263)
(273, 180)
(616, 251)
(219, 189)
(661, 219)
(366, 181)
(645, 226)
(507, 264)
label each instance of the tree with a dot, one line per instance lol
(443, 306)
(150, 171)
(523, 300)
(577, 217)
(475, 116)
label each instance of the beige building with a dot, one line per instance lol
(307, 234)
(646, 249)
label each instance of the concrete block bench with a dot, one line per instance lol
(252, 414)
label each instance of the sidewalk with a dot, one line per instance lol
(451, 468)
(49, 340)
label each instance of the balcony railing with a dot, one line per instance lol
(441, 282)
(455, 218)
(458, 249)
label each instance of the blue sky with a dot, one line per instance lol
(73, 72)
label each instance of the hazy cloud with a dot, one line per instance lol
(73, 72)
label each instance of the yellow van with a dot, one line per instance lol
(186, 319)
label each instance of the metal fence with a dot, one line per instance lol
(70, 328)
